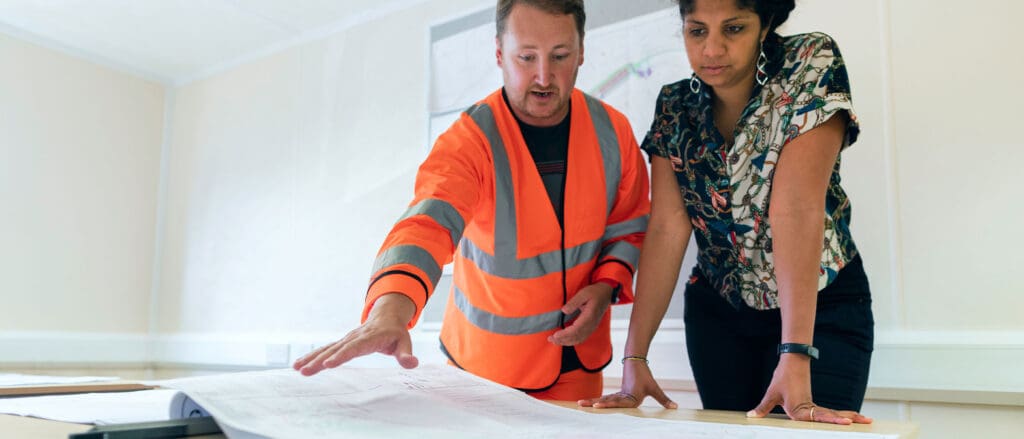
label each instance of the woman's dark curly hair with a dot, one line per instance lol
(772, 12)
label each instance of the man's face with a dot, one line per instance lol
(539, 55)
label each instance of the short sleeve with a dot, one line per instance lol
(821, 87)
(668, 113)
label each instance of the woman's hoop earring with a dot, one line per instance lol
(694, 83)
(762, 62)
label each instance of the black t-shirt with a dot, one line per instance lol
(549, 147)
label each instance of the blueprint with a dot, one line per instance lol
(437, 401)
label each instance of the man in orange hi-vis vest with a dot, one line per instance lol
(540, 196)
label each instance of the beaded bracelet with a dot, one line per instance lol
(634, 358)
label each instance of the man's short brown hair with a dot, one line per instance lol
(557, 7)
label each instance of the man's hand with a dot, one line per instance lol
(385, 331)
(592, 302)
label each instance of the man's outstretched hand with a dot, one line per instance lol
(385, 331)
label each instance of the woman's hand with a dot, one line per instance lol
(637, 384)
(791, 388)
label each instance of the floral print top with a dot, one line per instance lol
(726, 188)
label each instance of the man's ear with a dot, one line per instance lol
(497, 50)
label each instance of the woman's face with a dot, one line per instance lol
(722, 43)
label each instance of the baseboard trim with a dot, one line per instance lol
(49, 348)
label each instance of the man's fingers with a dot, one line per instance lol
(568, 336)
(363, 345)
(574, 304)
(403, 353)
(575, 333)
(340, 352)
(315, 362)
(317, 356)
(305, 359)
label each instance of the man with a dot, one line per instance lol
(541, 195)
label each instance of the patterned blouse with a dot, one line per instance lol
(726, 188)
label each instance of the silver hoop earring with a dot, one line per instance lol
(762, 62)
(694, 83)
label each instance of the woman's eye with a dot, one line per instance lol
(734, 29)
(697, 32)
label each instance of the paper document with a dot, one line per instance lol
(17, 379)
(440, 402)
(105, 408)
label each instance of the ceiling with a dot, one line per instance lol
(177, 41)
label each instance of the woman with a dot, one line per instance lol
(745, 153)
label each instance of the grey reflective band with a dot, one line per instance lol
(623, 251)
(625, 228)
(506, 325)
(442, 213)
(505, 233)
(529, 268)
(412, 255)
(609, 148)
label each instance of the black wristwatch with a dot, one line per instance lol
(798, 348)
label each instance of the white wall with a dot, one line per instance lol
(79, 162)
(955, 112)
(285, 174)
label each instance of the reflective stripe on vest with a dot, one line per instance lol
(529, 268)
(623, 250)
(442, 213)
(609, 149)
(409, 254)
(506, 325)
(625, 228)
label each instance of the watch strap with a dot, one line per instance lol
(798, 348)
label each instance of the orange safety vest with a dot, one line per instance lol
(480, 198)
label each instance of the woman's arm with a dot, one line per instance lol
(796, 215)
(668, 233)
